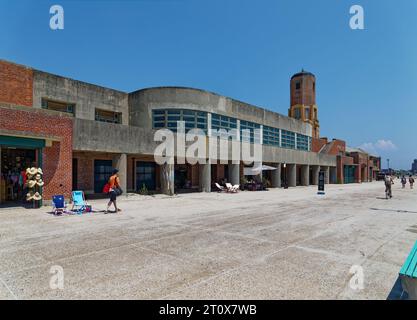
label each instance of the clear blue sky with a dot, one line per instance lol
(244, 49)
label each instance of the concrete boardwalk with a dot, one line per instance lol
(280, 244)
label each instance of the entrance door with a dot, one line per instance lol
(145, 175)
(75, 174)
(102, 172)
(349, 174)
(14, 162)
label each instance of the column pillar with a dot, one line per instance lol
(205, 177)
(1, 191)
(316, 170)
(326, 170)
(333, 175)
(167, 179)
(276, 176)
(305, 175)
(234, 173)
(292, 175)
(120, 163)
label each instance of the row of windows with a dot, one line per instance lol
(169, 118)
(197, 119)
(219, 122)
(271, 136)
(303, 142)
(287, 139)
(249, 133)
(100, 114)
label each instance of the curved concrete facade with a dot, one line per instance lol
(142, 102)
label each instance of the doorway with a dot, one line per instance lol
(14, 162)
(145, 175)
(102, 172)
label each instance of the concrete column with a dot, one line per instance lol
(276, 176)
(167, 179)
(305, 175)
(326, 170)
(205, 177)
(316, 170)
(234, 173)
(333, 175)
(120, 163)
(0, 176)
(292, 175)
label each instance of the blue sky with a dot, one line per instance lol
(247, 50)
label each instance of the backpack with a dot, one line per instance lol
(106, 188)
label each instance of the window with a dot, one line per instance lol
(271, 136)
(297, 85)
(108, 116)
(297, 113)
(307, 113)
(245, 136)
(287, 139)
(219, 122)
(303, 142)
(58, 106)
(168, 118)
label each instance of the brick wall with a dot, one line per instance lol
(16, 84)
(317, 144)
(57, 159)
(338, 147)
(306, 95)
(85, 173)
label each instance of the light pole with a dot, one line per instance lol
(388, 165)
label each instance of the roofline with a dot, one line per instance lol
(155, 88)
(218, 95)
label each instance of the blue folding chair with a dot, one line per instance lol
(79, 205)
(59, 205)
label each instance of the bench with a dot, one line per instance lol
(408, 274)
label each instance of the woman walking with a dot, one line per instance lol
(114, 190)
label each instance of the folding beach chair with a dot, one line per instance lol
(219, 187)
(59, 205)
(79, 205)
(231, 188)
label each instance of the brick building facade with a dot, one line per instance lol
(77, 132)
(21, 125)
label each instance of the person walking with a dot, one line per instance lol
(403, 181)
(411, 181)
(388, 186)
(114, 190)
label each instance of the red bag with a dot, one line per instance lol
(106, 188)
